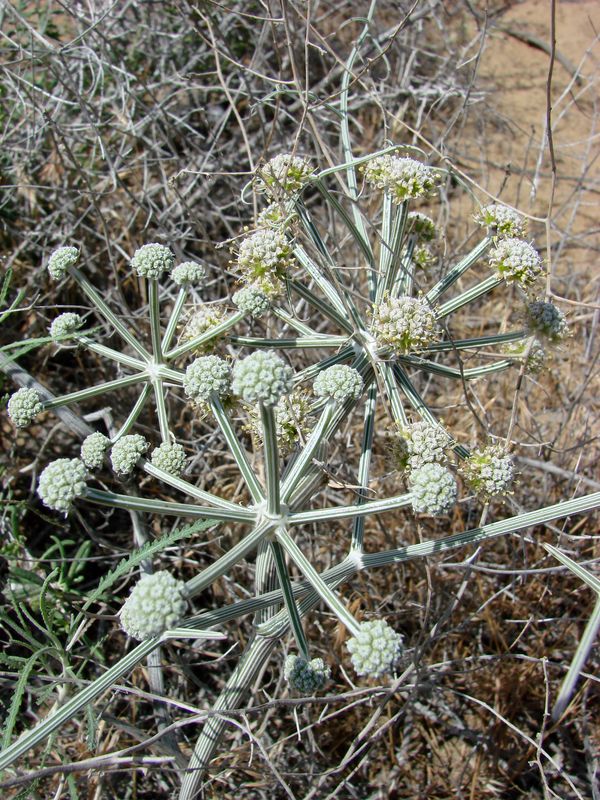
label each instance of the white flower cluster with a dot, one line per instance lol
(155, 605)
(338, 383)
(502, 221)
(489, 472)
(24, 406)
(433, 489)
(291, 420)
(423, 255)
(188, 274)
(275, 215)
(285, 174)
(151, 260)
(61, 260)
(422, 226)
(422, 443)
(206, 376)
(306, 677)
(200, 321)
(376, 649)
(170, 457)
(65, 324)
(404, 324)
(61, 482)
(547, 320)
(403, 178)
(262, 377)
(532, 350)
(516, 261)
(126, 452)
(251, 300)
(263, 258)
(93, 449)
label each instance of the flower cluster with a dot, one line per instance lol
(291, 421)
(285, 174)
(151, 260)
(404, 324)
(170, 457)
(433, 489)
(61, 482)
(252, 301)
(155, 605)
(203, 319)
(338, 383)
(529, 350)
(126, 452)
(306, 677)
(263, 258)
(547, 320)
(262, 377)
(421, 226)
(61, 260)
(420, 443)
(93, 449)
(188, 274)
(376, 649)
(403, 178)
(516, 261)
(207, 376)
(502, 221)
(24, 406)
(489, 472)
(65, 325)
(275, 215)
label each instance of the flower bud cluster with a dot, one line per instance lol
(421, 226)
(188, 274)
(306, 677)
(404, 324)
(93, 449)
(276, 215)
(170, 457)
(61, 260)
(489, 472)
(502, 221)
(285, 174)
(203, 319)
(61, 482)
(251, 300)
(155, 605)
(24, 406)
(207, 376)
(262, 377)
(126, 452)
(263, 258)
(151, 260)
(338, 383)
(516, 261)
(421, 443)
(403, 178)
(291, 421)
(65, 325)
(433, 489)
(547, 320)
(376, 649)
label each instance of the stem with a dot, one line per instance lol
(212, 333)
(173, 319)
(467, 297)
(93, 391)
(343, 512)
(239, 454)
(154, 311)
(364, 467)
(451, 277)
(288, 596)
(271, 454)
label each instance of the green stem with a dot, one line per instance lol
(237, 451)
(93, 391)
(467, 297)
(451, 277)
(271, 458)
(203, 338)
(288, 596)
(173, 319)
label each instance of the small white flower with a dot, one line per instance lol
(547, 320)
(155, 605)
(262, 377)
(24, 406)
(61, 260)
(93, 449)
(252, 300)
(433, 490)
(170, 457)
(291, 420)
(203, 319)
(306, 677)
(126, 452)
(403, 178)
(516, 261)
(61, 482)
(502, 221)
(423, 443)
(188, 274)
(275, 215)
(422, 226)
(404, 324)
(151, 260)
(65, 324)
(338, 383)
(489, 472)
(285, 174)
(263, 258)
(206, 376)
(376, 649)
